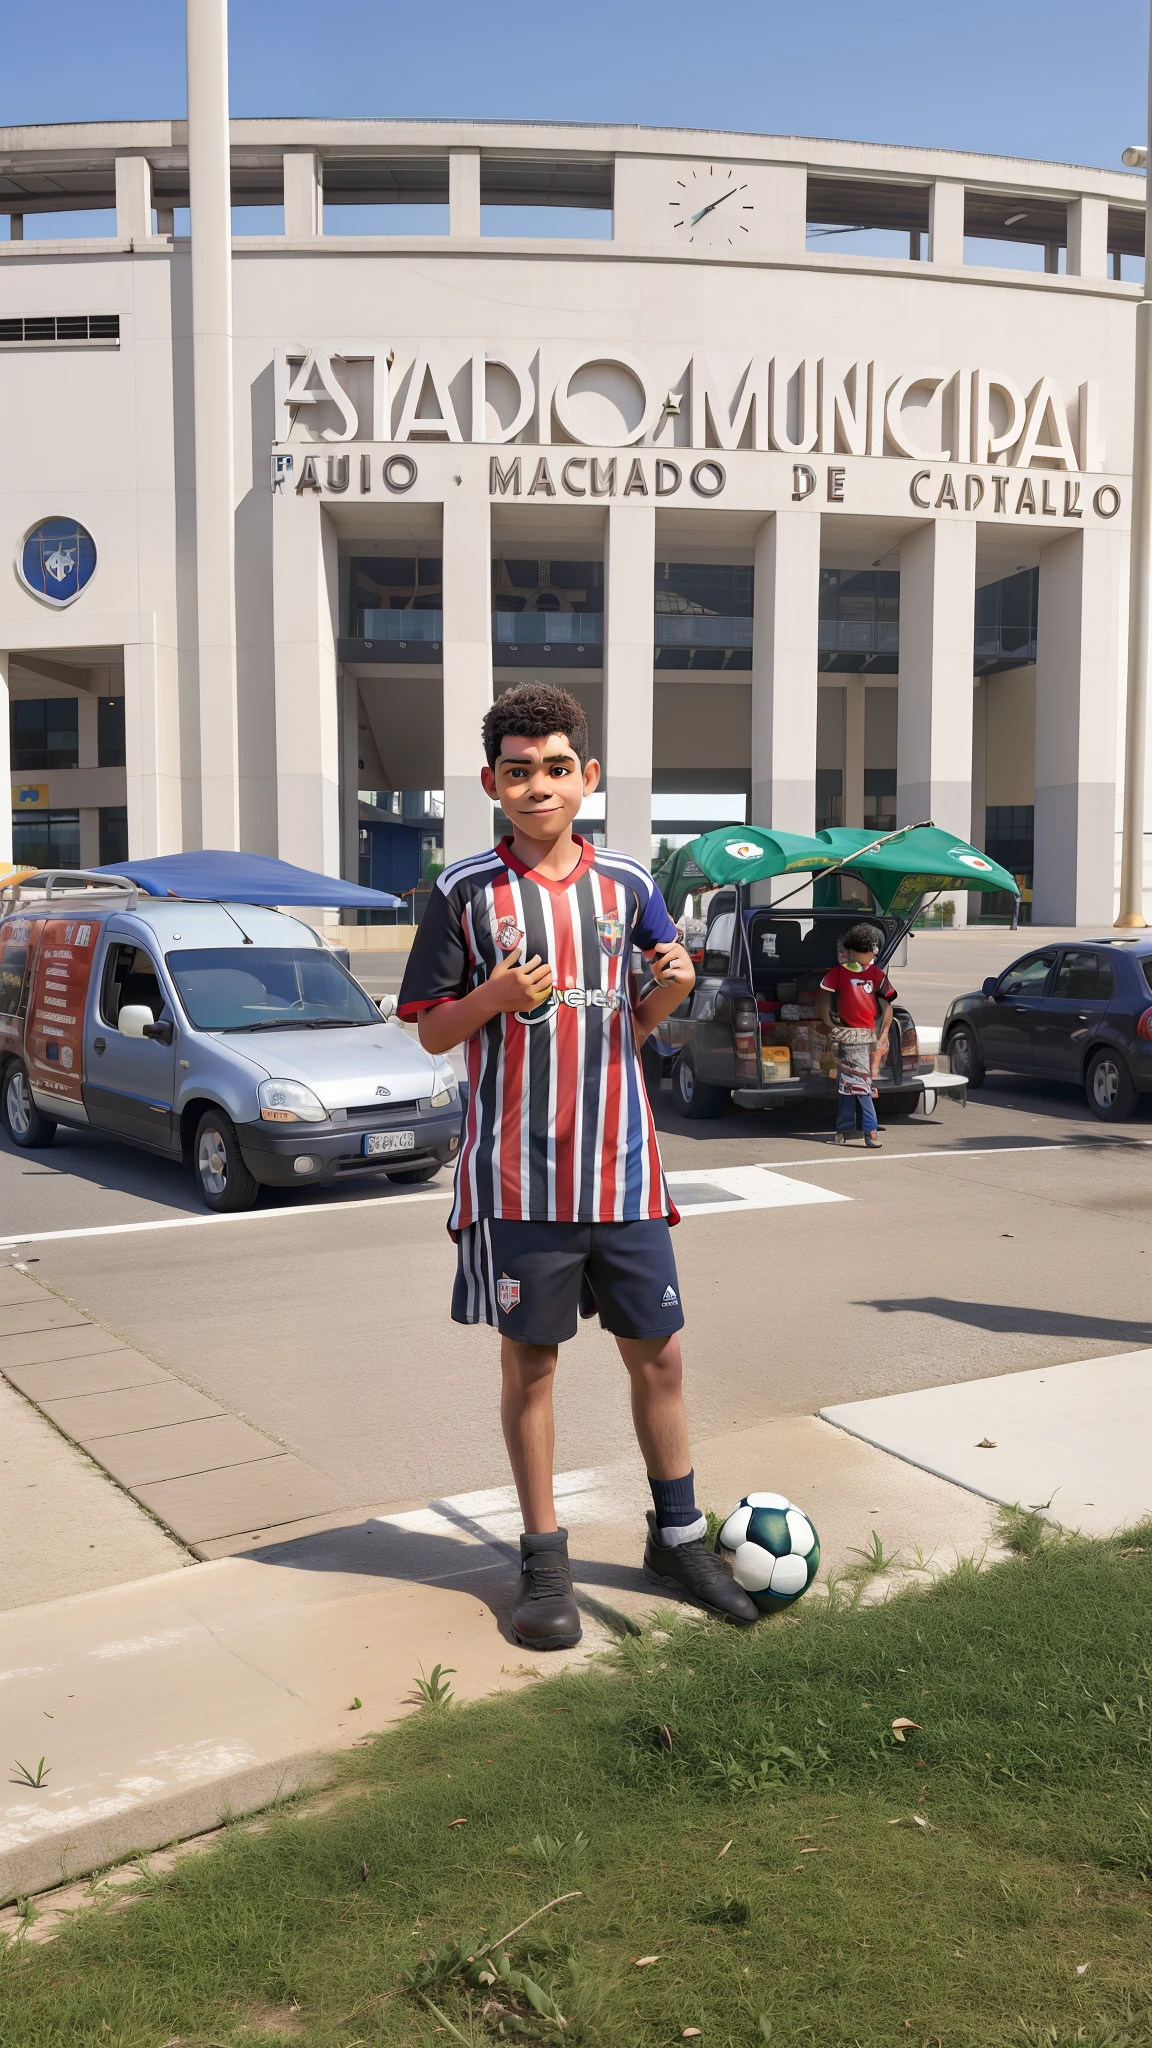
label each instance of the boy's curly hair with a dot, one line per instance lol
(863, 938)
(533, 711)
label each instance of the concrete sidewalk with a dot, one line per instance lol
(160, 1704)
(1070, 1440)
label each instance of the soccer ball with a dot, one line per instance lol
(774, 1550)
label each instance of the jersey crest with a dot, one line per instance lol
(611, 935)
(508, 935)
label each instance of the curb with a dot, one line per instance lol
(41, 1866)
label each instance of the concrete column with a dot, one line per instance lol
(209, 184)
(785, 665)
(980, 691)
(934, 734)
(152, 746)
(464, 192)
(89, 835)
(854, 706)
(467, 549)
(1077, 665)
(87, 741)
(946, 222)
(303, 194)
(629, 659)
(133, 198)
(349, 779)
(1088, 237)
(5, 765)
(15, 227)
(305, 595)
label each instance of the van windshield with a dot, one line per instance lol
(266, 988)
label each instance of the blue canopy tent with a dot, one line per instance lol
(214, 876)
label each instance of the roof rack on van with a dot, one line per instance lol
(54, 883)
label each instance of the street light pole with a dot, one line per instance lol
(1140, 585)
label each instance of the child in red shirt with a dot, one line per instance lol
(857, 985)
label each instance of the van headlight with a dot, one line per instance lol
(446, 1089)
(289, 1102)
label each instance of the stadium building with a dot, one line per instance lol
(806, 465)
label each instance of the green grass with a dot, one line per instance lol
(1033, 1684)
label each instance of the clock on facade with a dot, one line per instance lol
(712, 206)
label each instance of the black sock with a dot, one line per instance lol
(678, 1519)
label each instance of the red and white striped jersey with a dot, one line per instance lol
(558, 1127)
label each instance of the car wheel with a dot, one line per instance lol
(905, 1103)
(225, 1181)
(23, 1121)
(412, 1174)
(1109, 1088)
(694, 1098)
(963, 1052)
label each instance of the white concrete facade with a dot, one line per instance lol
(703, 388)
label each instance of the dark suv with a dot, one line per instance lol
(1078, 1012)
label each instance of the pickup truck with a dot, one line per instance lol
(749, 1030)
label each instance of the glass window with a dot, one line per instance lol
(381, 584)
(1028, 977)
(129, 977)
(44, 733)
(1084, 977)
(13, 972)
(110, 735)
(46, 839)
(718, 945)
(113, 833)
(266, 988)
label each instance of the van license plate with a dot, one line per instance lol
(389, 1141)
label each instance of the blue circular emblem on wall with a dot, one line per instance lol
(57, 558)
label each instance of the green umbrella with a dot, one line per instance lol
(918, 863)
(739, 853)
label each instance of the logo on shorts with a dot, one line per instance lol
(508, 935)
(507, 1294)
(670, 1298)
(611, 930)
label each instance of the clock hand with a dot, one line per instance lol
(714, 203)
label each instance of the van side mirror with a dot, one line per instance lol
(989, 985)
(132, 1019)
(386, 1005)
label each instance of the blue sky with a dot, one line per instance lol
(1031, 78)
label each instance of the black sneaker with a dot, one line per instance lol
(546, 1616)
(698, 1575)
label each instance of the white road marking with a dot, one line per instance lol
(763, 1190)
(241, 1216)
(849, 1156)
(747, 1187)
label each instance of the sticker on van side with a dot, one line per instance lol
(56, 1009)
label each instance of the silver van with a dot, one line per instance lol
(221, 1034)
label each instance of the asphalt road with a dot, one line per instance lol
(1007, 1235)
(983, 1240)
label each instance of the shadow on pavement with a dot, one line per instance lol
(1005, 1319)
(110, 1166)
(1041, 1098)
(379, 1550)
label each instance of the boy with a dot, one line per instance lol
(856, 985)
(561, 1205)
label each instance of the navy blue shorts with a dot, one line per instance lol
(532, 1281)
